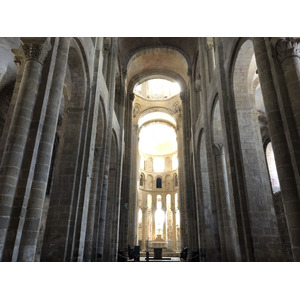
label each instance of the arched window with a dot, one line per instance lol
(175, 180)
(158, 182)
(142, 178)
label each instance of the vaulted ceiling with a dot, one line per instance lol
(129, 45)
(149, 57)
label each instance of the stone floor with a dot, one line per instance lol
(164, 259)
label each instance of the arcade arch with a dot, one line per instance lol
(154, 113)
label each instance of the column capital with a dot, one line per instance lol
(217, 149)
(287, 47)
(36, 49)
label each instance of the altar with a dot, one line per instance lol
(158, 253)
(157, 248)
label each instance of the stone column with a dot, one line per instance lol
(280, 147)
(226, 215)
(116, 215)
(132, 213)
(144, 227)
(217, 151)
(108, 141)
(165, 226)
(89, 254)
(38, 190)
(212, 232)
(125, 191)
(188, 192)
(153, 217)
(174, 229)
(211, 57)
(288, 53)
(164, 236)
(35, 51)
(182, 186)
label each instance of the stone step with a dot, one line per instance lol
(165, 253)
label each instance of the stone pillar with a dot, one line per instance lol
(144, 227)
(35, 51)
(32, 223)
(217, 152)
(153, 217)
(212, 230)
(211, 57)
(182, 187)
(280, 147)
(132, 213)
(195, 104)
(288, 53)
(174, 229)
(226, 216)
(89, 254)
(108, 141)
(164, 235)
(116, 215)
(125, 191)
(188, 192)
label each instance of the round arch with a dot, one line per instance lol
(157, 62)
(159, 109)
(66, 197)
(157, 74)
(254, 167)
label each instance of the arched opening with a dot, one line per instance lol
(252, 130)
(157, 89)
(158, 182)
(142, 179)
(65, 198)
(158, 163)
(159, 219)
